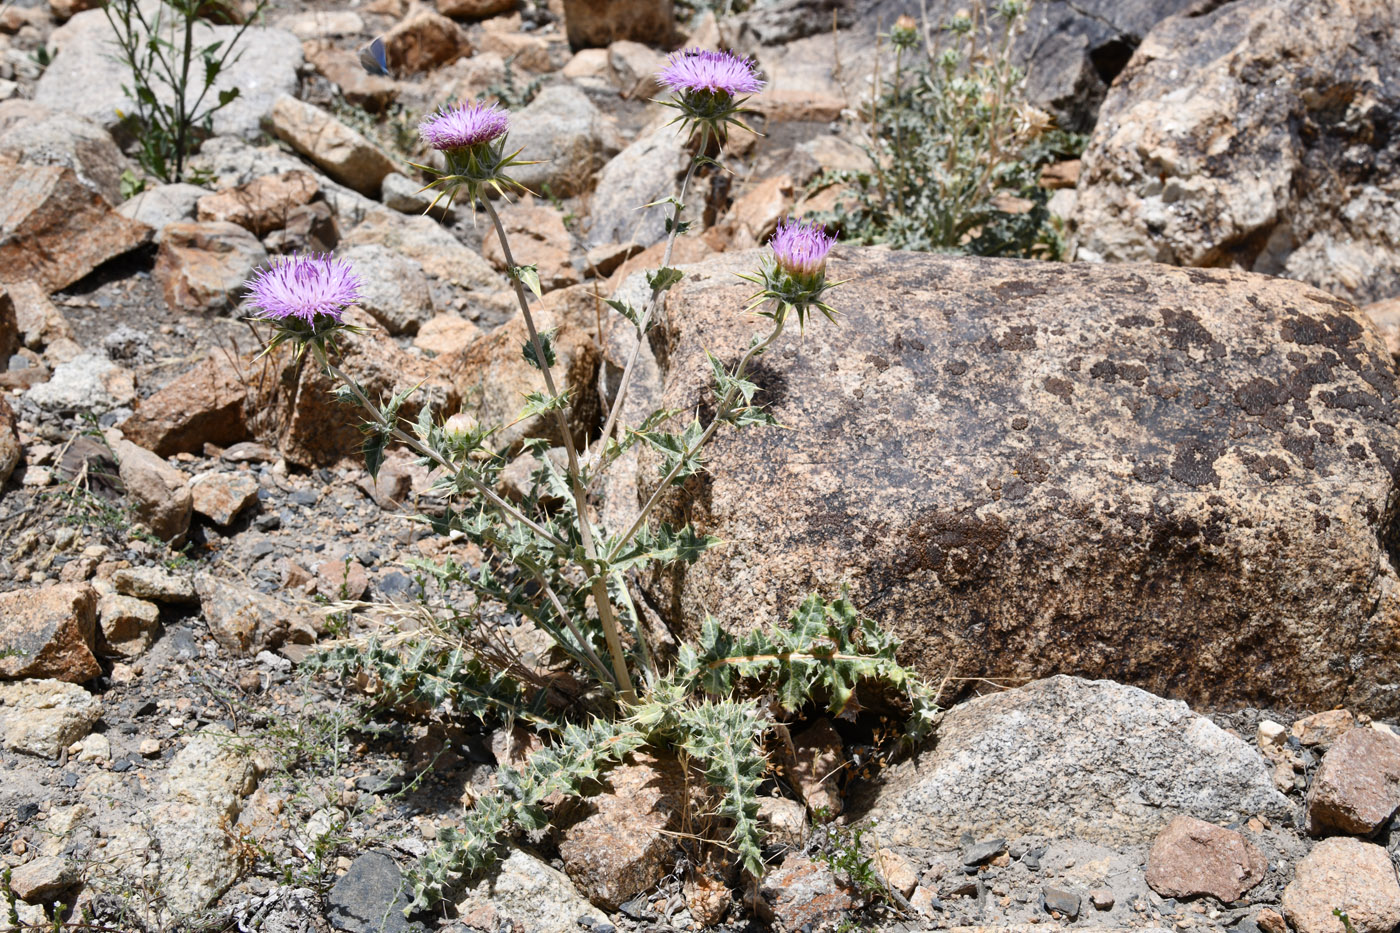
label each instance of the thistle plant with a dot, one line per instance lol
(551, 559)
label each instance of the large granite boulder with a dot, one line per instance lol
(1258, 136)
(1180, 479)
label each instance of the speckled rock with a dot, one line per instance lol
(10, 448)
(394, 288)
(49, 632)
(157, 584)
(648, 170)
(804, 894)
(128, 624)
(1269, 153)
(525, 890)
(568, 134)
(89, 382)
(245, 621)
(1348, 875)
(158, 492)
(1022, 468)
(1192, 857)
(87, 79)
(67, 139)
(619, 847)
(344, 154)
(43, 717)
(1111, 763)
(1356, 790)
(197, 857)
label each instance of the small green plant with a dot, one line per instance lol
(842, 849)
(955, 150)
(172, 77)
(509, 92)
(1346, 920)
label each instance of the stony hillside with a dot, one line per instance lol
(1129, 506)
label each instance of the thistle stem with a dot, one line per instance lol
(599, 585)
(652, 304)
(720, 415)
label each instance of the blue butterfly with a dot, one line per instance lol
(373, 59)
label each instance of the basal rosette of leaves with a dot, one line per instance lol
(714, 703)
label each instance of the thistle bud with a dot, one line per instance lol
(905, 34)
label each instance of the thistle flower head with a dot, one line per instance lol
(472, 140)
(464, 126)
(800, 248)
(793, 276)
(702, 71)
(307, 289)
(709, 88)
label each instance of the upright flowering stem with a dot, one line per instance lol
(793, 279)
(708, 88)
(599, 586)
(472, 140)
(721, 415)
(652, 304)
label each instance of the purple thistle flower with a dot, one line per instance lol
(464, 126)
(304, 287)
(692, 71)
(801, 248)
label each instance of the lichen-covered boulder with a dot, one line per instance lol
(1256, 135)
(1180, 479)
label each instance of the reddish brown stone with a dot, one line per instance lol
(1324, 728)
(263, 204)
(424, 42)
(341, 579)
(1192, 857)
(50, 633)
(53, 230)
(219, 497)
(596, 23)
(205, 405)
(620, 848)
(1356, 790)
(205, 267)
(1348, 875)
